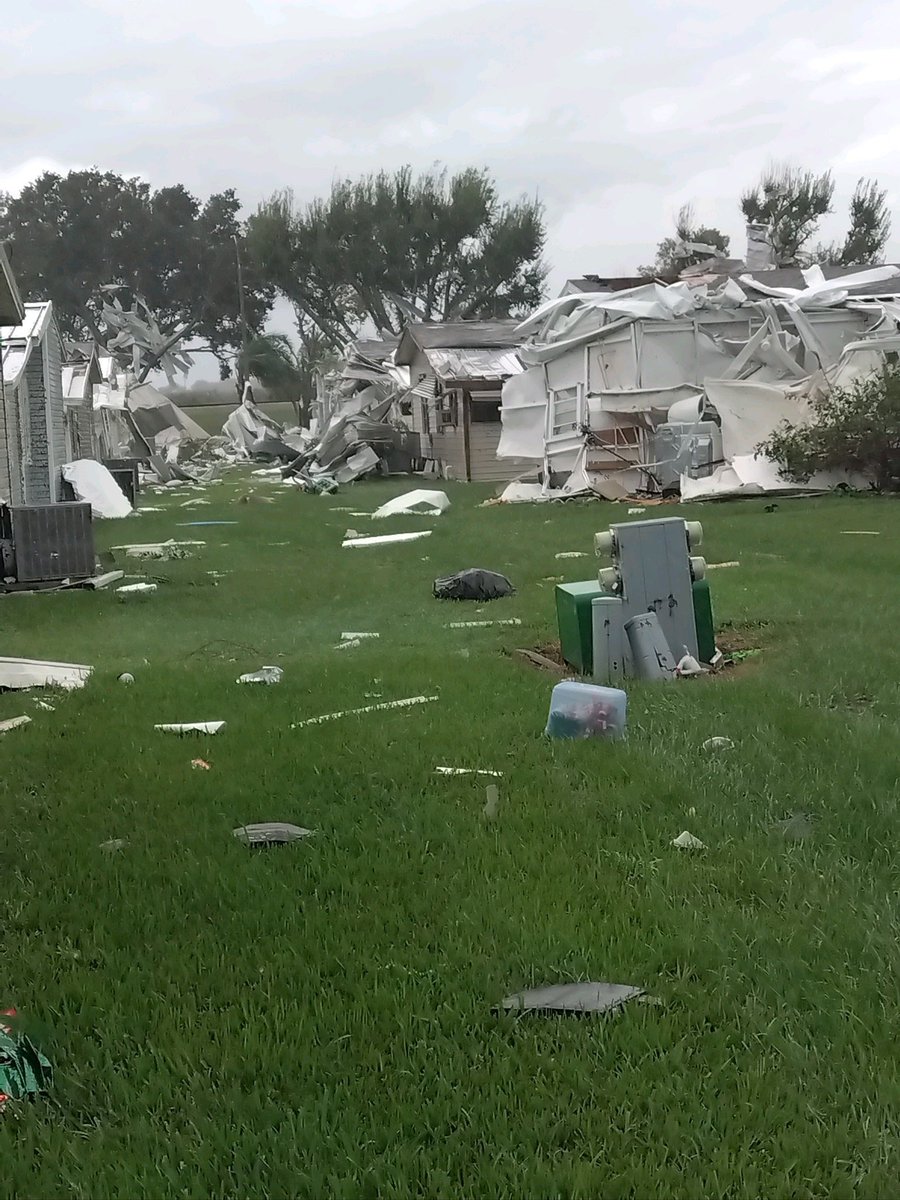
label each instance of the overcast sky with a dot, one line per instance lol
(613, 113)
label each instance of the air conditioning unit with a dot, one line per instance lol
(44, 543)
(694, 450)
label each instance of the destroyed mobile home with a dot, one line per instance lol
(670, 389)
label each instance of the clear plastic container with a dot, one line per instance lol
(583, 710)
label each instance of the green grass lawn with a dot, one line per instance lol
(316, 1020)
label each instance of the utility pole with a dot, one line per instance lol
(243, 310)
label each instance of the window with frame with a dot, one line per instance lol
(485, 410)
(563, 411)
(449, 410)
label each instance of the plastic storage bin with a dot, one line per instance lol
(583, 710)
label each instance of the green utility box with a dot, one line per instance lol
(703, 621)
(573, 617)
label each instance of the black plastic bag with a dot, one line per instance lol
(474, 584)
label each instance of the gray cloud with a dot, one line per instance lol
(615, 115)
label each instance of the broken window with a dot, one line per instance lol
(563, 411)
(485, 410)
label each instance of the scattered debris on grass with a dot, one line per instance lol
(636, 512)
(385, 538)
(136, 591)
(583, 710)
(482, 624)
(159, 550)
(125, 677)
(199, 524)
(467, 771)
(23, 673)
(358, 637)
(770, 508)
(472, 584)
(536, 659)
(862, 532)
(418, 503)
(573, 998)
(24, 1071)
(114, 845)
(349, 644)
(491, 802)
(688, 668)
(271, 833)
(715, 744)
(268, 675)
(797, 827)
(200, 764)
(721, 566)
(44, 706)
(14, 723)
(99, 582)
(192, 727)
(687, 841)
(352, 712)
(572, 554)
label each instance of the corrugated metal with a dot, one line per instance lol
(462, 363)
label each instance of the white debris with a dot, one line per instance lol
(192, 727)
(267, 675)
(14, 723)
(721, 566)
(636, 512)
(346, 637)
(862, 532)
(418, 503)
(386, 538)
(482, 624)
(352, 712)
(687, 841)
(126, 677)
(688, 667)
(136, 590)
(572, 554)
(162, 550)
(492, 801)
(349, 644)
(44, 706)
(93, 483)
(18, 673)
(467, 771)
(717, 743)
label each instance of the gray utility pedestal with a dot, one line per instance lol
(652, 571)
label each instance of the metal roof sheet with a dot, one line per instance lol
(16, 341)
(455, 362)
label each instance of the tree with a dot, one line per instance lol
(286, 374)
(391, 246)
(870, 229)
(71, 236)
(692, 244)
(790, 202)
(853, 429)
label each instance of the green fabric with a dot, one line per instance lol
(24, 1071)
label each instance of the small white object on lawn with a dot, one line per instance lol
(482, 624)
(348, 644)
(352, 712)
(126, 677)
(572, 554)
(636, 512)
(687, 841)
(862, 532)
(358, 637)
(268, 675)
(385, 539)
(136, 590)
(721, 566)
(418, 503)
(16, 673)
(492, 801)
(14, 723)
(192, 727)
(717, 743)
(573, 997)
(467, 771)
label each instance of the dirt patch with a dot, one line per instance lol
(543, 658)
